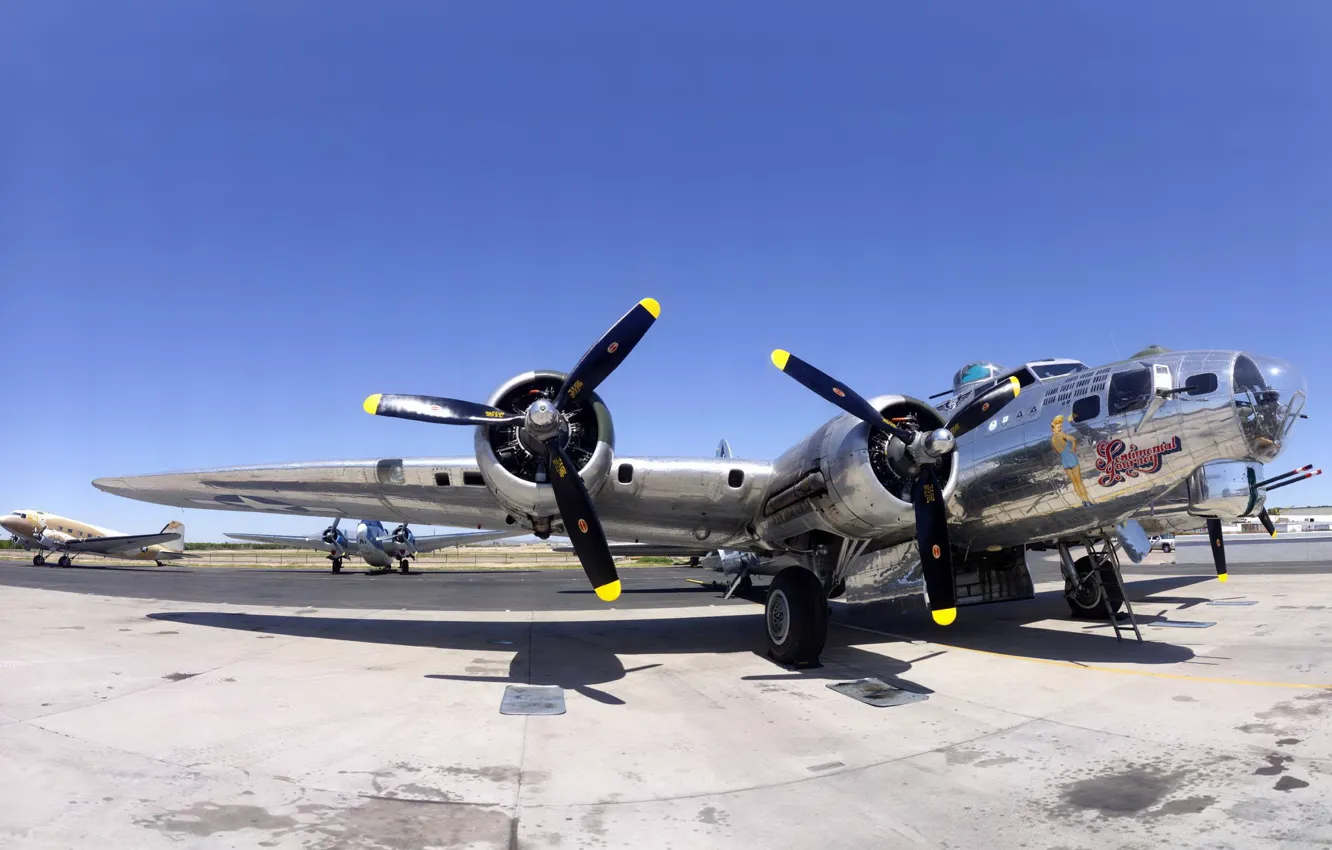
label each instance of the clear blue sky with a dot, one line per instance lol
(223, 224)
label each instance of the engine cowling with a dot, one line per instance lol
(512, 469)
(848, 479)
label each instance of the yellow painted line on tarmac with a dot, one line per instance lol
(1120, 670)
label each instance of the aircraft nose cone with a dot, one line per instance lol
(1269, 396)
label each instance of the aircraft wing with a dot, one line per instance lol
(464, 538)
(645, 550)
(669, 500)
(117, 545)
(285, 540)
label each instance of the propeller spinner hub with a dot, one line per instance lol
(938, 442)
(542, 417)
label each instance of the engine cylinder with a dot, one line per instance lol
(848, 479)
(513, 469)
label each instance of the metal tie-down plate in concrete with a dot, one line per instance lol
(876, 693)
(532, 699)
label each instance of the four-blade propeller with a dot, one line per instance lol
(545, 425)
(924, 449)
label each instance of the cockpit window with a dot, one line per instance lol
(1046, 371)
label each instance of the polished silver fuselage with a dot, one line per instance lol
(1010, 481)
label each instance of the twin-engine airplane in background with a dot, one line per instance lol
(51, 533)
(892, 490)
(376, 546)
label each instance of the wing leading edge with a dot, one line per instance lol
(674, 501)
(117, 545)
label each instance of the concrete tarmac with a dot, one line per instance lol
(132, 717)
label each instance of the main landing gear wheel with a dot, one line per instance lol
(796, 615)
(403, 567)
(1085, 598)
(337, 565)
(38, 560)
(64, 561)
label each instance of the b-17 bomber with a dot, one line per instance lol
(891, 493)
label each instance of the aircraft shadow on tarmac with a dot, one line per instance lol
(579, 655)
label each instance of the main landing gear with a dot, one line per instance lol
(1087, 597)
(796, 615)
(64, 561)
(404, 567)
(38, 560)
(337, 564)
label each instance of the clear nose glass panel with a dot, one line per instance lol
(1269, 395)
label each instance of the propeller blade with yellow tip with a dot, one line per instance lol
(581, 524)
(830, 389)
(936, 555)
(1218, 548)
(607, 353)
(1266, 519)
(444, 411)
(984, 406)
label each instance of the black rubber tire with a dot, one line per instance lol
(1088, 606)
(403, 567)
(38, 560)
(337, 565)
(64, 561)
(795, 616)
(159, 563)
(1167, 548)
(746, 585)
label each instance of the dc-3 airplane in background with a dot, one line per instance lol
(891, 490)
(376, 546)
(70, 537)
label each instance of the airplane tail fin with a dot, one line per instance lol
(724, 449)
(177, 528)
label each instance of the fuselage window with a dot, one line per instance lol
(473, 479)
(1086, 408)
(1201, 384)
(442, 479)
(625, 473)
(736, 478)
(1130, 391)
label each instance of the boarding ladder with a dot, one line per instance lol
(1111, 585)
